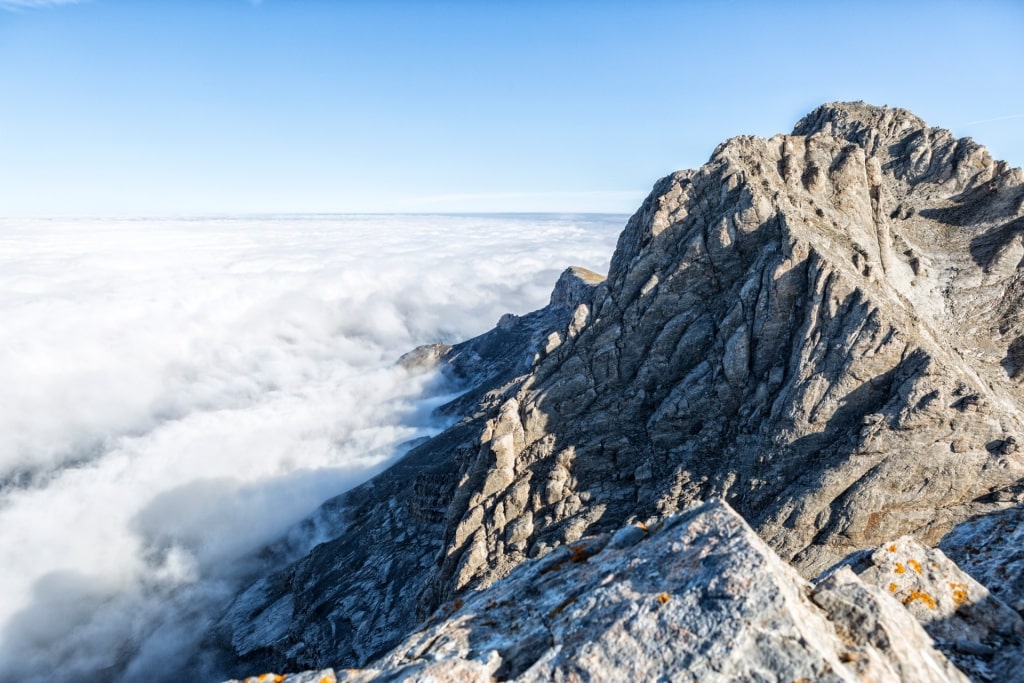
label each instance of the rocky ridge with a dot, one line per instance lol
(821, 328)
(699, 597)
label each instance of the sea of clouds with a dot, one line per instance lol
(177, 394)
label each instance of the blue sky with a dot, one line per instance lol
(229, 106)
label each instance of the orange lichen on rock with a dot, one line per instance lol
(914, 565)
(580, 552)
(892, 548)
(664, 597)
(900, 568)
(959, 593)
(892, 587)
(928, 600)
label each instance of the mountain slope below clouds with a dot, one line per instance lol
(822, 328)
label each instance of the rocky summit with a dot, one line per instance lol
(823, 329)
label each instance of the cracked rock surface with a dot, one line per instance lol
(974, 628)
(698, 598)
(822, 328)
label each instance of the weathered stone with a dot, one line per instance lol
(991, 549)
(700, 598)
(322, 676)
(983, 636)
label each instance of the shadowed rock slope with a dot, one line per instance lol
(822, 328)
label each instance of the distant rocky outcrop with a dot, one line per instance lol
(822, 328)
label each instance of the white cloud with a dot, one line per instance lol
(178, 393)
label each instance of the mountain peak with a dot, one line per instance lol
(842, 118)
(822, 329)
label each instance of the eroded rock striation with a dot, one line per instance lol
(822, 328)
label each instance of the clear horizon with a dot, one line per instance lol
(120, 109)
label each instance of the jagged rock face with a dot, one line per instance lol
(822, 328)
(698, 598)
(819, 327)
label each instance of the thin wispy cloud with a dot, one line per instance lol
(994, 119)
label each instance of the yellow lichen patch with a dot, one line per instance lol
(892, 548)
(900, 568)
(664, 597)
(892, 587)
(959, 593)
(914, 565)
(328, 679)
(272, 678)
(928, 600)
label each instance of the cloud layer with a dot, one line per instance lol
(179, 393)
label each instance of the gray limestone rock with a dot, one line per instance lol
(822, 328)
(975, 629)
(698, 598)
(991, 549)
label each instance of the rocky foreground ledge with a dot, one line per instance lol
(700, 597)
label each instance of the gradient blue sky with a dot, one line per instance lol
(231, 106)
